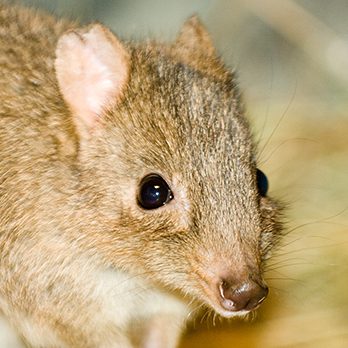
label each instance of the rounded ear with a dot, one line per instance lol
(194, 47)
(92, 69)
(193, 37)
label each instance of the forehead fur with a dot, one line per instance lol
(179, 121)
(180, 110)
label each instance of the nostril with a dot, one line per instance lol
(226, 296)
(243, 296)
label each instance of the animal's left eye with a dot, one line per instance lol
(262, 182)
(154, 192)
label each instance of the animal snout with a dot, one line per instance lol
(241, 296)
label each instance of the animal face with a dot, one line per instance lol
(179, 196)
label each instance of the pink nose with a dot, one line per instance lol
(240, 296)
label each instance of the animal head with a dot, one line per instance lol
(167, 165)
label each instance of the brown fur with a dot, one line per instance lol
(81, 264)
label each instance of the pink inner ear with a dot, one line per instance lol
(92, 70)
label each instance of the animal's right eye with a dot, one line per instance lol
(262, 182)
(154, 192)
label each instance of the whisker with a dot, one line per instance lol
(194, 311)
(205, 315)
(288, 266)
(279, 121)
(214, 318)
(309, 248)
(316, 222)
(271, 153)
(253, 316)
(282, 260)
(290, 242)
(268, 104)
(278, 291)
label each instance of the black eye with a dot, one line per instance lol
(262, 182)
(154, 192)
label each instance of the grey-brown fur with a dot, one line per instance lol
(68, 212)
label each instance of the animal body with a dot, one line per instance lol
(129, 192)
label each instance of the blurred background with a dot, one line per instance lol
(292, 61)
